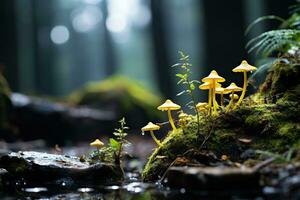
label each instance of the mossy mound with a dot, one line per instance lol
(124, 95)
(272, 126)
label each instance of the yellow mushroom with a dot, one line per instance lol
(234, 98)
(184, 118)
(244, 67)
(213, 78)
(152, 127)
(221, 91)
(202, 106)
(169, 106)
(97, 143)
(231, 89)
(208, 86)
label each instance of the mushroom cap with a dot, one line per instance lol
(233, 88)
(168, 105)
(244, 67)
(208, 85)
(221, 90)
(235, 96)
(213, 76)
(150, 127)
(201, 105)
(97, 143)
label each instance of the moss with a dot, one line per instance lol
(264, 124)
(289, 130)
(122, 95)
(271, 122)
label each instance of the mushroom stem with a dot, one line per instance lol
(171, 120)
(222, 99)
(214, 98)
(209, 101)
(154, 138)
(243, 92)
(231, 101)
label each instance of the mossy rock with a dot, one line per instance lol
(270, 126)
(122, 94)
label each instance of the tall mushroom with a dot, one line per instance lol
(152, 127)
(208, 86)
(231, 89)
(244, 67)
(213, 78)
(169, 106)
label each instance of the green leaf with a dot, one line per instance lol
(192, 86)
(181, 93)
(114, 143)
(180, 75)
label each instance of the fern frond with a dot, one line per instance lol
(295, 8)
(260, 19)
(274, 40)
(292, 22)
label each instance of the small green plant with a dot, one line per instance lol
(120, 141)
(190, 85)
(114, 151)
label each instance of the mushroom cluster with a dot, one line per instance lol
(212, 83)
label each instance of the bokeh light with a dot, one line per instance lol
(59, 34)
(85, 19)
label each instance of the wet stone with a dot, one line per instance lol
(211, 178)
(35, 168)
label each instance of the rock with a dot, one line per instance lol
(211, 178)
(44, 169)
(57, 121)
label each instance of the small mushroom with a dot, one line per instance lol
(152, 127)
(213, 78)
(208, 86)
(97, 143)
(221, 91)
(202, 106)
(232, 88)
(234, 96)
(244, 67)
(169, 106)
(184, 119)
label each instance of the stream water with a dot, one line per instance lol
(133, 188)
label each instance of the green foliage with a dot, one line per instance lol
(114, 151)
(120, 133)
(281, 40)
(185, 80)
(275, 40)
